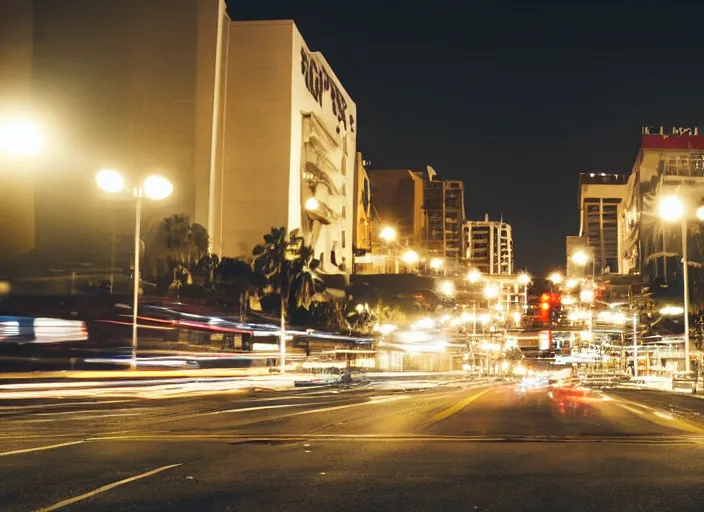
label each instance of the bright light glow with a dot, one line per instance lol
(520, 370)
(467, 317)
(484, 318)
(491, 291)
(571, 283)
(436, 263)
(385, 329)
(613, 318)
(544, 305)
(388, 234)
(568, 300)
(20, 138)
(410, 257)
(424, 323)
(700, 213)
(516, 317)
(157, 187)
(504, 365)
(447, 288)
(110, 181)
(414, 336)
(575, 316)
(586, 295)
(499, 307)
(445, 318)
(580, 258)
(490, 347)
(523, 279)
(311, 204)
(359, 308)
(466, 367)
(672, 310)
(555, 277)
(671, 208)
(474, 276)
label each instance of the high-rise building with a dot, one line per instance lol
(670, 161)
(489, 246)
(398, 203)
(290, 133)
(600, 199)
(443, 206)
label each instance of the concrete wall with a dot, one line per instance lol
(257, 133)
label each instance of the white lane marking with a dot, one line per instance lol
(75, 499)
(39, 448)
(249, 409)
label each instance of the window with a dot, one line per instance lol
(343, 240)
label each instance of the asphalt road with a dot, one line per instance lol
(453, 447)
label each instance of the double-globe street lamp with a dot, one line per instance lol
(672, 209)
(153, 187)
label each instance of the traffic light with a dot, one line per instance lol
(544, 311)
(549, 302)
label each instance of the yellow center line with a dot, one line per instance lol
(39, 448)
(458, 406)
(104, 488)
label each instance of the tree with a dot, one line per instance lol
(287, 267)
(186, 243)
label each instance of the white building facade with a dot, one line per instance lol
(290, 144)
(489, 246)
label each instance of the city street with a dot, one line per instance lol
(458, 446)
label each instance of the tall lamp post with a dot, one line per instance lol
(672, 209)
(524, 279)
(153, 187)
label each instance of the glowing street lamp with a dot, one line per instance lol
(491, 291)
(524, 279)
(671, 209)
(410, 257)
(474, 276)
(388, 234)
(153, 187)
(556, 278)
(20, 138)
(437, 263)
(571, 283)
(580, 258)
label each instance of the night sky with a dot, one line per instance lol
(515, 101)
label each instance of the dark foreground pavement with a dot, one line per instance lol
(458, 447)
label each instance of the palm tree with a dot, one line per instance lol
(287, 266)
(186, 243)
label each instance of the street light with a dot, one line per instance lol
(491, 291)
(580, 258)
(556, 278)
(153, 187)
(671, 209)
(474, 276)
(410, 257)
(437, 263)
(20, 138)
(388, 234)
